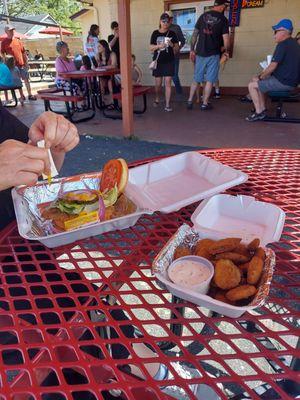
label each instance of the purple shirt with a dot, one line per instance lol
(63, 66)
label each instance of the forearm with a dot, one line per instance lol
(113, 41)
(194, 39)
(268, 71)
(154, 47)
(226, 43)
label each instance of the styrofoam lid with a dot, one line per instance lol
(174, 182)
(239, 216)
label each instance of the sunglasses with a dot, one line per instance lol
(165, 21)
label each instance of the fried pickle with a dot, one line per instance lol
(241, 292)
(182, 251)
(255, 269)
(203, 244)
(203, 252)
(221, 296)
(224, 245)
(242, 249)
(260, 253)
(235, 257)
(227, 275)
(252, 246)
(244, 267)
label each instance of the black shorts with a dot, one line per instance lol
(164, 70)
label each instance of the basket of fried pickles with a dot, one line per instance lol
(242, 270)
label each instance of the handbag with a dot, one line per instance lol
(153, 64)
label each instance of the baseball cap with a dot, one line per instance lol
(164, 16)
(9, 27)
(222, 3)
(285, 24)
(170, 13)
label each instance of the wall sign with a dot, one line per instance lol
(253, 3)
(235, 12)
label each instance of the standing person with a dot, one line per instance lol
(13, 47)
(113, 40)
(163, 45)
(210, 29)
(181, 39)
(91, 45)
(283, 74)
(16, 77)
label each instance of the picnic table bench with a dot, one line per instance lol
(137, 91)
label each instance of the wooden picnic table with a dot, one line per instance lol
(92, 78)
(74, 319)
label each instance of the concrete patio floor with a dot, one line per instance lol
(224, 126)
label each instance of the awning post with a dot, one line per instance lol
(125, 61)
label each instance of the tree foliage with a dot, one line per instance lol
(60, 10)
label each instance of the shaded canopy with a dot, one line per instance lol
(51, 30)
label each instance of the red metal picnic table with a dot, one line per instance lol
(60, 323)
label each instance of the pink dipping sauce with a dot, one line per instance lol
(188, 273)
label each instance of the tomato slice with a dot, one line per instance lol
(111, 175)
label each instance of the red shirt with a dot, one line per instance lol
(15, 48)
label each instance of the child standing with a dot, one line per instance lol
(136, 72)
(16, 77)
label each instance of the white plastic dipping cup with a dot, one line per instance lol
(192, 272)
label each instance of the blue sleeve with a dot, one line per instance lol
(279, 53)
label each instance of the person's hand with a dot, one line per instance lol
(21, 163)
(192, 56)
(255, 79)
(59, 134)
(161, 46)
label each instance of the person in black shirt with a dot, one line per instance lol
(113, 40)
(281, 75)
(163, 45)
(211, 31)
(21, 161)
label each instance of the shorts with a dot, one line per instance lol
(272, 84)
(72, 87)
(164, 70)
(207, 69)
(24, 73)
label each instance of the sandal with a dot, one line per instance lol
(155, 103)
(110, 107)
(32, 97)
(168, 109)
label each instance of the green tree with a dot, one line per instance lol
(60, 10)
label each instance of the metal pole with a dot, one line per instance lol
(5, 8)
(125, 61)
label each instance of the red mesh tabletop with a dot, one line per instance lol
(88, 321)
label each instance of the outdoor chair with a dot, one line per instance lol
(280, 98)
(13, 94)
(117, 97)
(71, 111)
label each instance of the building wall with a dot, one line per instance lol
(253, 38)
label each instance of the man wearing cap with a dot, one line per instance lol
(283, 74)
(211, 31)
(181, 39)
(13, 47)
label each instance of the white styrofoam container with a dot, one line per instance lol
(230, 216)
(172, 183)
(224, 215)
(165, 185)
